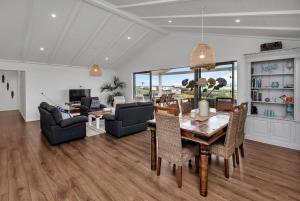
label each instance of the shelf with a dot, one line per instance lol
(274, 74)
(275, 118)
(269, 88)
(264, 102)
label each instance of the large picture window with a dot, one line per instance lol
(152, 84)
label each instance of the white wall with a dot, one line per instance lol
(174, 50)
(55, 82)
(22, 93)
(6, 101)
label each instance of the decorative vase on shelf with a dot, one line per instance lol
(203, 108)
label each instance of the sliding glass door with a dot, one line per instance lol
(142, 86)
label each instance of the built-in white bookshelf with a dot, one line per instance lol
(271, 82)
(281, 67)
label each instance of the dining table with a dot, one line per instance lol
(203, 131)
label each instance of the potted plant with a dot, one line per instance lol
(113, 89)
(207, 88)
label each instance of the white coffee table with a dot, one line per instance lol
(97, 116)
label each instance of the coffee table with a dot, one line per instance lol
(97, 115)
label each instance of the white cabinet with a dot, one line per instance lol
(276, 132)
(275, 129)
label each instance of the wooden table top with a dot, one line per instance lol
(189, 123)
(100, 113)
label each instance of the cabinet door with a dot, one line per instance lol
(281, 131)
(257, 127)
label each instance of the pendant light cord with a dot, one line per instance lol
(202, 23)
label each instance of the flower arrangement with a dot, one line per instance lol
(208, 86)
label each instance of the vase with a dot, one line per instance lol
(203, 108)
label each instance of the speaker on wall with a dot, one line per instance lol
(3, 78)
(271, 46)
(7, 86)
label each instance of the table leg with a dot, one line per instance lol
(90, 120)
(153, 149)
(204, 151)
(98, 123)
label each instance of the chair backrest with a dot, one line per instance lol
(172, 108)
(163, 99)
(232, 128)
(170, 97)
(224, 104)
(168, 110)
(86, 101)
(168, 137)
(186, 106)
(241, 130)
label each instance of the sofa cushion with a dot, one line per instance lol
(123, 106)
(95, 104)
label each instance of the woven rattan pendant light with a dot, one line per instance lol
(203, 56)
(96, 70)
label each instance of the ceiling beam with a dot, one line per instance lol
(131, 46)
(69, 22)
(112, 8)
(91, 38)
(234, 27)
(151, 3)
(28, 31)
(258, 13)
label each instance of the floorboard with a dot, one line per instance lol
(105, 168)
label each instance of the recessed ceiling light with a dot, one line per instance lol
(237, 20)
(42, 49)
(53, 15)
(128, 38)
(106, 58)
(170, 21)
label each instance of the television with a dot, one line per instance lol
(77, 94)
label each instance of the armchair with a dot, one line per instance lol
(85, 106)
(58, 130)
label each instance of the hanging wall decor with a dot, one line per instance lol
(7, 86)
(12, 93)
(3, 78)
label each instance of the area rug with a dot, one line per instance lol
(92, 130)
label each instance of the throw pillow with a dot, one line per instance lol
(64, 114)
(95, 104)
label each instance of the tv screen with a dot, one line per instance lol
(77, 94)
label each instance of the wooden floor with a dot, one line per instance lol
(104, 168)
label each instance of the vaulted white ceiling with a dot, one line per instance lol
(83, 32)
(271, 18)
(97, 31)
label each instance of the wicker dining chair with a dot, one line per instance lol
(186, 106)
(225, 147)
(170, 98)
(224, 104)
(169, 144)
(240, 137)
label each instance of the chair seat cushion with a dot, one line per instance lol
(189, 151)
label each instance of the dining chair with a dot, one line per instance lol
(162, 99)
(169, 144)
(224, 104)
(225, 147)
(170, 98)
(186, 106)
(240, 137)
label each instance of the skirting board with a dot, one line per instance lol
(273, 142)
